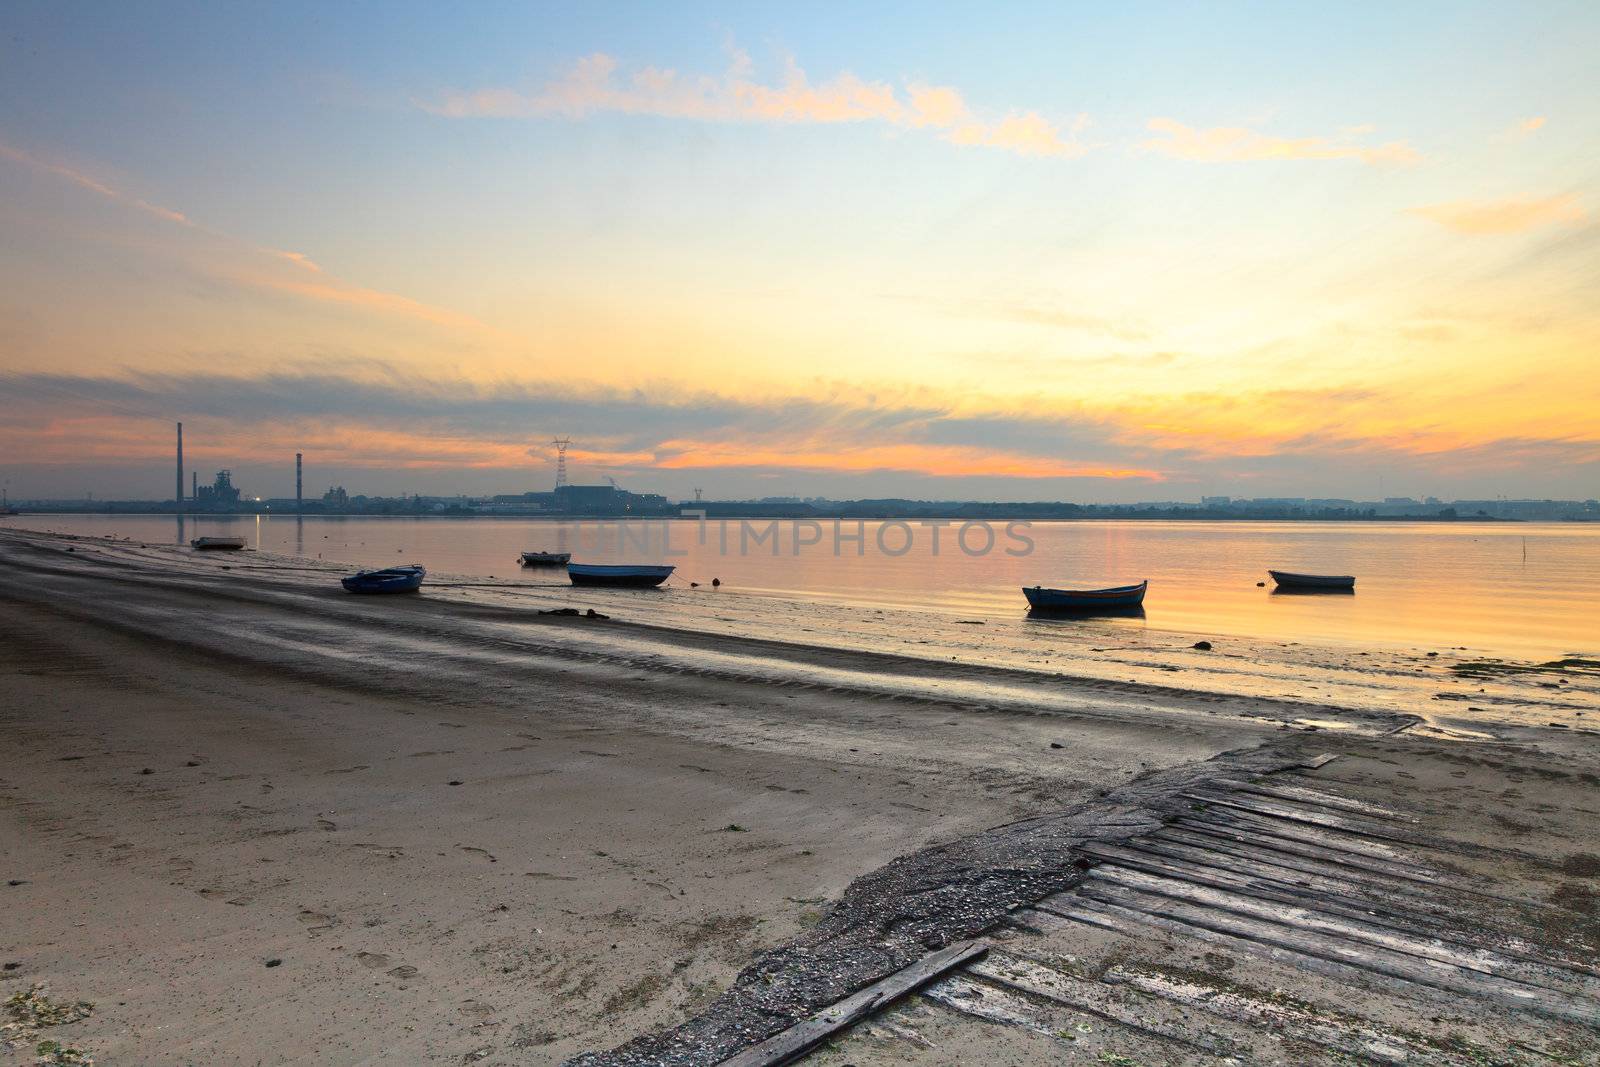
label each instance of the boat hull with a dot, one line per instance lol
(1324, 582)
(392, 580)
(1118, 598)
(217, 544)
(618, 576)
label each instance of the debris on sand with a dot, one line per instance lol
(1487, 668)
(55, 1053)
(1202, 646)
(28, 1011)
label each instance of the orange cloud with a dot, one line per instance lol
(1232, 144)
(1027, 134)
(1487, 217)
(593, 85)
(941, 460)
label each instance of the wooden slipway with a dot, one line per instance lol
(1279, 920)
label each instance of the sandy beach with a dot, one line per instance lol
(253, 820)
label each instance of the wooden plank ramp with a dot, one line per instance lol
(1352, 937)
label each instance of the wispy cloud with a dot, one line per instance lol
(1490, 217)
(1233, 144)
(84, 181)
(255, 266)
(597, 84)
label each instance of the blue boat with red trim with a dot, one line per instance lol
(1115, 598)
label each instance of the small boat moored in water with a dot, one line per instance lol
(1116, 598)
(628, 576)
(546, 559)
(1304, 582)
(389, 580)
(217, 544)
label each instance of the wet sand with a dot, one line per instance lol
(467, 832)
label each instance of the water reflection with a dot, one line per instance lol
(1435, 585)
(1135, 611)
(1312, 591)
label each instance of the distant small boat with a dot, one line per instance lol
(1290, 580)
(388, 580)
(1117, 597)
(623, 575)
(213, 544)
(546, 559)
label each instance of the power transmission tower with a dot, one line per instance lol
(561, 444)
(697, 493)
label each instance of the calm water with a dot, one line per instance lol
(1527, 590)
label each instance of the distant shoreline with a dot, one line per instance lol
(1109, 515)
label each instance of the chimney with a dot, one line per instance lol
(178, 495)
(297, 458)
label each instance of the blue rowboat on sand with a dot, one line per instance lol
(1327, 582)
(388, 580)
(1120, 597)
(626, 576)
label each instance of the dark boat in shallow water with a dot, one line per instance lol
(626, 576)
(388, 580)
(1119, 598)
(546, 559)
(217, 544)
(1328, 583)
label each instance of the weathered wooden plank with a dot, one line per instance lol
(1068, 908)
(1426, 909)
(803, 1036)
(1101, 1001)
(1317, 919)
(1319, 851)
(1182, 846)
(1367, 957)
(1321, 837)
(1401, 905)
(960, 993)
(1316, 797)
(1364, 1040)
(1296, 861)
(1358, 825)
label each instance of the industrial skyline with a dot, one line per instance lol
(221, 495)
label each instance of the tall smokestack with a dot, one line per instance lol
(297, 458)
(177, 497)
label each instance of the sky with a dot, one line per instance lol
(1091, 252)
